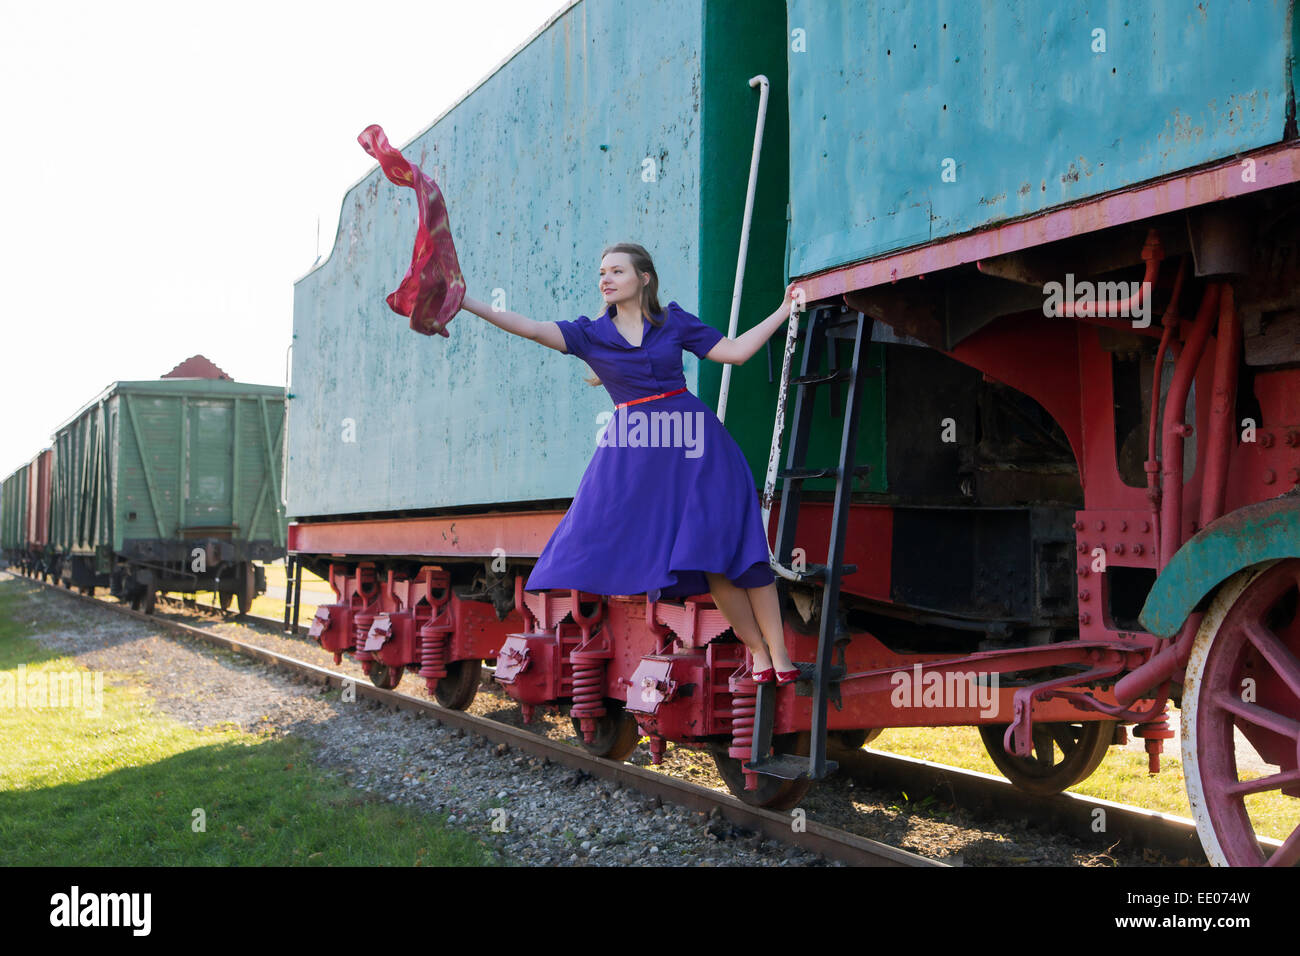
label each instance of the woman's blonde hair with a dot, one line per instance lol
(642, 263)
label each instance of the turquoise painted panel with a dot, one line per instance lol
(587, 136)
(1013, 99)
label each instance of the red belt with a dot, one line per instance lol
(650, 398)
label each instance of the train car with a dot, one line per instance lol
(1088, 243)
(171, 485)
(13, 531)
(1017, 533)
(25, 517)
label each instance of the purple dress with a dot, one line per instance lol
(668, 494)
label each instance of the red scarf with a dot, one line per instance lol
(433, 288)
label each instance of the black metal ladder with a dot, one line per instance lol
(825, 327)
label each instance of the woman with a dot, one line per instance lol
(667, 503)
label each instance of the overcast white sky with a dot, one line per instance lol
(164, 166)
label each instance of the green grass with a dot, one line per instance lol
(122, 788)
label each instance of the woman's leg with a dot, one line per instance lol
(766, 608)
(736, 608)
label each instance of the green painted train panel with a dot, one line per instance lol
(12, 533)
(210, 501)
(149, 467)
(82, 486)
(258, 504)
(122, 470)
(741, 42)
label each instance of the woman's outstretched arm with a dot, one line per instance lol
(547, 333)
(736, 351)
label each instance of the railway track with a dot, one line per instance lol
(983, 795)
(828, 841)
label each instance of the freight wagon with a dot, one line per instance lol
(13, 514)
(995, 466)
(25, 517)
(171, 485)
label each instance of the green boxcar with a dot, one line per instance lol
(13, 511)
(171, 485)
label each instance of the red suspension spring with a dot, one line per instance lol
(361, 630)
(434, 640)
(588, 689)
(744, 705)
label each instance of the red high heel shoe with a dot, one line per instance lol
(763, 677)
(787, 677)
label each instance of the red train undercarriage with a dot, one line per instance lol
(627, 668)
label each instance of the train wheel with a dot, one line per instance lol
(1243, 679)
(772, 792)
(456, 691)
(1082, 747)
(147, 602)
(616, 733)
(383, 676)
(89, 590)
(247, 587)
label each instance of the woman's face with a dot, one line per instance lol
(618, 280)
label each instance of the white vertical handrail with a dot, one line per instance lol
(761, 82)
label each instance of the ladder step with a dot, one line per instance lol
(823, 378)
(808, 669)
(805, 474)
(786, 766)
(844, 321)
(820, 571)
